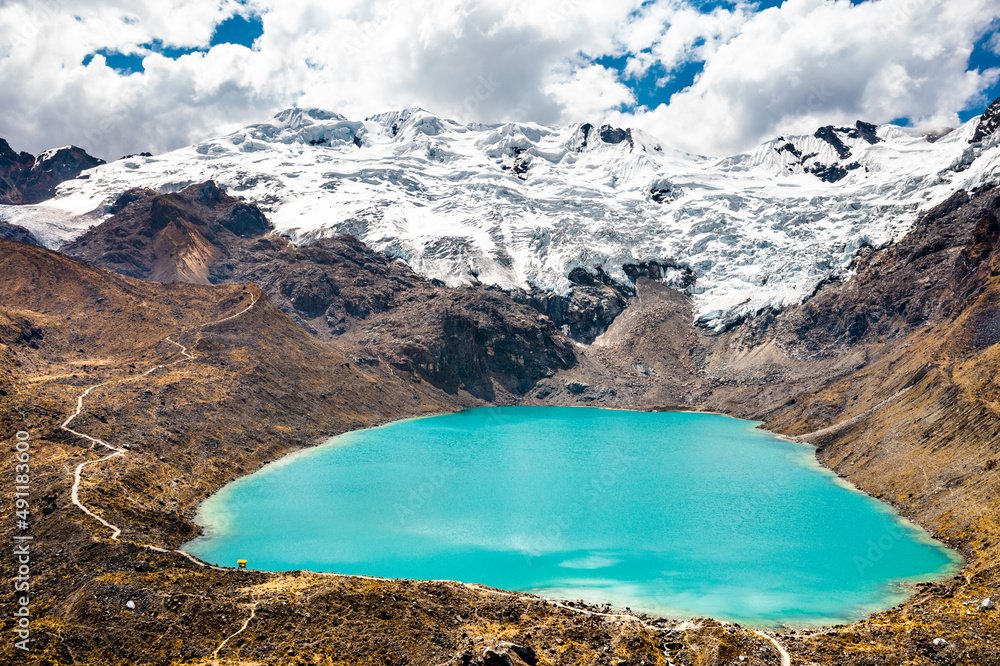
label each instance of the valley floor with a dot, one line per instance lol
(892, 376)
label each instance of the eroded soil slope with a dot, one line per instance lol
(891, 374)
(256, 387)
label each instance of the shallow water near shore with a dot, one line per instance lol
(675, 513)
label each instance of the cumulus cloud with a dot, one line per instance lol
(673, 33)
(784, 69)
(590, 91)
(816, 62)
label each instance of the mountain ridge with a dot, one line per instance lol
(915, 387)
(26, 179)
(458, 339)
(890, 371)
(520, 205)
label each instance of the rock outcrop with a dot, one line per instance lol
(466, 338)
(25, 179)
(16, 233)
(989, 123)
(593, 303)
(471, 338)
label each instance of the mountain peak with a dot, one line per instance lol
(522, 205)
(27, 179)
(988, 123)
(419, 119)
(296, 117)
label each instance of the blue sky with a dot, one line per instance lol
(982, 58)
(713, 77)
(238, 29)
(658, 85)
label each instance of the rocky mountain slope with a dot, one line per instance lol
(918, 425)
(893, 370)
(14, 232)
(72, 325)
(25, 179)
(888, 366)
(903, 355)
(523, 206)
(184, 426)
(470, 338)
(891, 374)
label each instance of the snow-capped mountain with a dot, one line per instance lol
(522, 204)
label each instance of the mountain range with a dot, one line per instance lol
(522, 206)
(322, 275)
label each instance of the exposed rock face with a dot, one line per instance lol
(989, 123)
(615, 135)
(53, 167)
(916, 422)
(14, 170)
(829, 134)
(203, 235)
(596, 299)
(861, 130)
(593, 304)
(467, 338)
(833, 172)
(182, 237)
(921, 280)
(866, 131)
(835, 136)
(683, 277)
(25, 179)
(16, 233)
(473, 339)
(921, 317)
(662, 191)
(652, 356)
(779, 360)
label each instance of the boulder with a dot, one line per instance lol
(523, 652)
(494, 658)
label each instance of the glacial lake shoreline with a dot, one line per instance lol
(907, 532)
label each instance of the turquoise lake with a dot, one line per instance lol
(677, 514)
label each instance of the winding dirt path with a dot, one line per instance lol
(246, 623)
(116, 451)
(187, 356)
(786, 659)
(854, 419)
(253, 302)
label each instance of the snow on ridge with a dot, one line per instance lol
(521, 204)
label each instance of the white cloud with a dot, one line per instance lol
(591, 91)
(816, 62)
(994, 44)
(809, 62)
(673, 32)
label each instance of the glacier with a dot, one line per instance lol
(522, 204)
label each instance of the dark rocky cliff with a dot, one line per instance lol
(469, 338)
(25, 179)
(16, 233)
